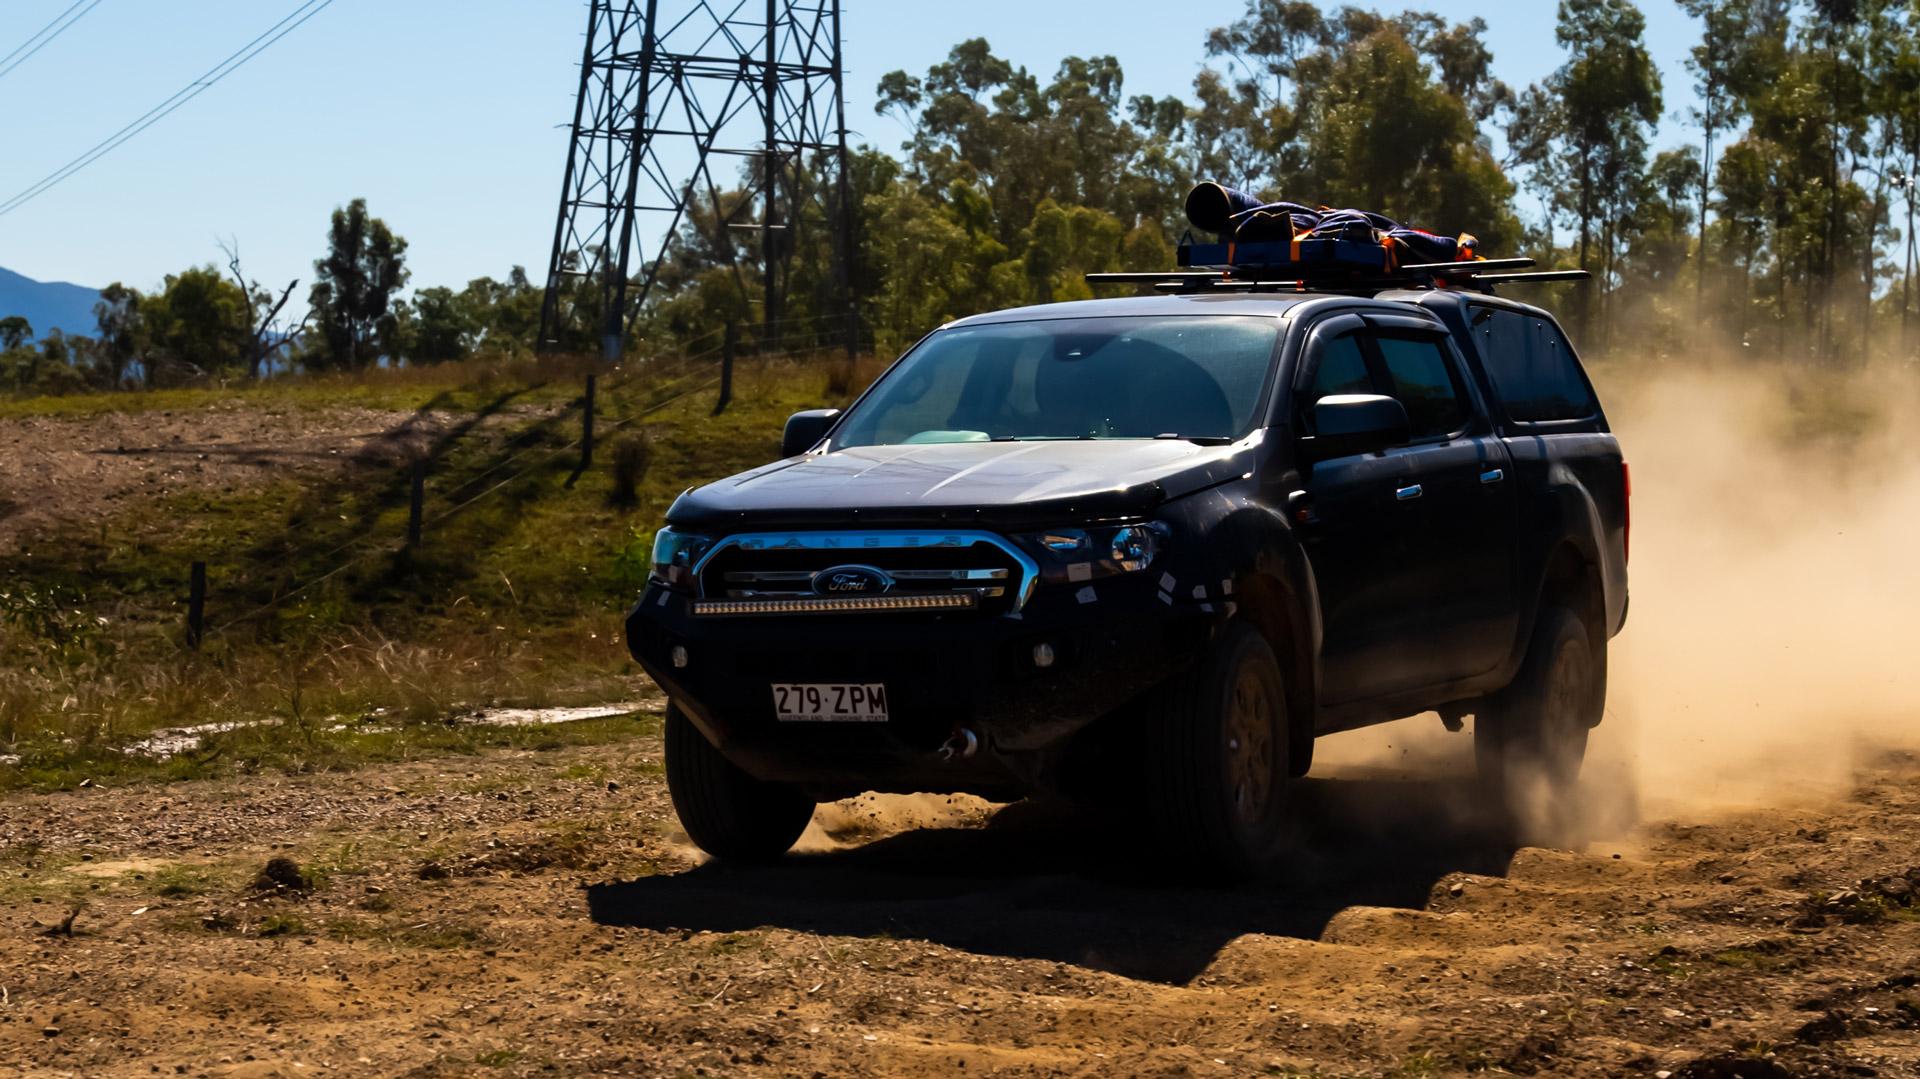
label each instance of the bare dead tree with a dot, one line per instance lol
(263, 313)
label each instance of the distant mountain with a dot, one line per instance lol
(48, 304)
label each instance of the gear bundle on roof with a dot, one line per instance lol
(1288, 244)
(1255, 233)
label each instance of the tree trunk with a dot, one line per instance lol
(1866, 269)
(1586, 237)
(1905, 349)
(1906, 278)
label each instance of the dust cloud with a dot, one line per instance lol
(1773, 634)
(1775, 576)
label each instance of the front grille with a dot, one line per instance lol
(863, 572)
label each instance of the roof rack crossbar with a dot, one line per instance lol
(1246, 278)
(1473, 267)
(1543, 276)
(1170, 275)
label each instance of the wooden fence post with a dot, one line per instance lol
(727, 348)
(586, 428)
(416, 502)
(196, 604)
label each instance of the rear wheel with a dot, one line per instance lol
(1531, 738)
(1217, 757)
(726, 812)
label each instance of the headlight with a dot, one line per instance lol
(1134, 547)
(674, 556)
(1078, 554)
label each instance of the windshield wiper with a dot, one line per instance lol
(1198, 440)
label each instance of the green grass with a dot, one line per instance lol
(1751, 959)
(281, 925)
(1669, 966)
(1425, 1062)
(181, 880)
(514, 600)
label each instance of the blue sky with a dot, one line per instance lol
(446, 114)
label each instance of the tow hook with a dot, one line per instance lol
(962, 743)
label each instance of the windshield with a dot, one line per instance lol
(1190, 376)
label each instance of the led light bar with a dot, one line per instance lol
(722, 608)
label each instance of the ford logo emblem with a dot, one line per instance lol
(851, 581)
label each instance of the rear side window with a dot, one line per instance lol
(1423, 381)
(1532, 367)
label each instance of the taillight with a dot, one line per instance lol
(1626, 512)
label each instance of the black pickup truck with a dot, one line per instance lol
(1149, 546)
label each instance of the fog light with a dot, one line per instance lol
(679, 655)
(1043, 655)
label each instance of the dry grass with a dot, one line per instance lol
(515, 601)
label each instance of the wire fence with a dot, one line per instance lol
(674, 379)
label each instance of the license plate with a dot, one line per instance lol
(830, 702)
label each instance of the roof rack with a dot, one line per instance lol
(1323, 265)
(1479, 275)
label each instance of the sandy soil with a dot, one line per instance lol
(66, 470)
(536, 913)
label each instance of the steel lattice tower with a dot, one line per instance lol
(662, 95)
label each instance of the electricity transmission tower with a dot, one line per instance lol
(752, 88)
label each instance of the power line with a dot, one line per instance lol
(8, 63)
(297, 18)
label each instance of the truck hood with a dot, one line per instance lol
(979, 482)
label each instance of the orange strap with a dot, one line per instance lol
(1230, 247)
(1392, 258)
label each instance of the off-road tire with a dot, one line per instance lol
(726, 812)
(1217, 759)
(1530, 739)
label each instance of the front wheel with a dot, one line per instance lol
(1530, 739)
(1217, 757)
(726, 812)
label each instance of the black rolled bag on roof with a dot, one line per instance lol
(1239, 218)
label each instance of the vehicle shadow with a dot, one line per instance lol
(1044, 882)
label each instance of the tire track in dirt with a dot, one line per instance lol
(520, 910)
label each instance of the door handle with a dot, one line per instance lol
(1493, 475)
(1408, 494)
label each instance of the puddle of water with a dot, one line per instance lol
(529, 717)
(173, 741)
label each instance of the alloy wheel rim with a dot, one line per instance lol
(1249, 747)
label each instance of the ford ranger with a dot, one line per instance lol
(1159, 543)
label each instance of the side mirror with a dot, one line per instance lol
(806, 428)
(1348, 424)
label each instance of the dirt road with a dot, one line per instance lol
(535, 913)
